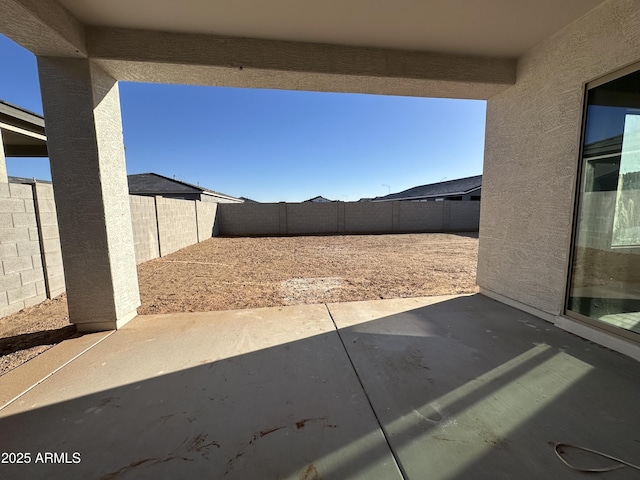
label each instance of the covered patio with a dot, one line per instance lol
(439, 388)
(533, 63)
(436, 387)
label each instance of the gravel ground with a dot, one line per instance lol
(235, 273)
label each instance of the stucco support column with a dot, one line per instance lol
(84, 130)
(3, 162)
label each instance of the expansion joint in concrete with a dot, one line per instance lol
(364, 390)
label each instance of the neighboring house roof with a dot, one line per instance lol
(611, 146)
(155, 184)
(460, 186)
(25, 180)
(318, 199)
(22, 132)
(245, 199)
(607, 155)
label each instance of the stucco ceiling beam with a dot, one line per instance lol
(44, 27)
(146, 56)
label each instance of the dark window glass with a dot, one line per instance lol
(605, 274)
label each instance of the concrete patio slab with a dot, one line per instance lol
(463, 387)
(19, 381)
(264, 393)
(469, 388)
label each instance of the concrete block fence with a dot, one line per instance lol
(177, 224)
(31, 259)
(30, 256)
(23, 274)
(258, 219)
(145, 228)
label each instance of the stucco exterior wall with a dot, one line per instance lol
(531, 155)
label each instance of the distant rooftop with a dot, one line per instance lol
(318, 199)
(147, 183)
(21, 113)
(156, 184)
(26, 180)
(460, 186)
(23, 132)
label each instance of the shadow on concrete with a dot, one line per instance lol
(473, 389)
(24, 341)
(464, 389)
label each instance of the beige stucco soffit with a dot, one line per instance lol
(43, 26)
(137, 55)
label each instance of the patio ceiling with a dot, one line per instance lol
(501, 28)
(452, 49)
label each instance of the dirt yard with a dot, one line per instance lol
(234, 273)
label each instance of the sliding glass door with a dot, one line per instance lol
(605, 273)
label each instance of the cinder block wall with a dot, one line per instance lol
(238, 219)
(216, 199)
(206, 216)
(49, 239)
(30, 244)
(22, 282)
(31, 259)
(595, 234)
(311, 217)
(422, 216)
(177, 226)
(368, 217)
(596, 228)
(145, 227)
(463, 216)
(255, 219)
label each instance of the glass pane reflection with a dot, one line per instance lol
(605, 276)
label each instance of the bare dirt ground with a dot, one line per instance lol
(235, 273)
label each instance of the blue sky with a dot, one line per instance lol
(276, 145)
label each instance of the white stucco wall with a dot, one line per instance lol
(531, 155)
